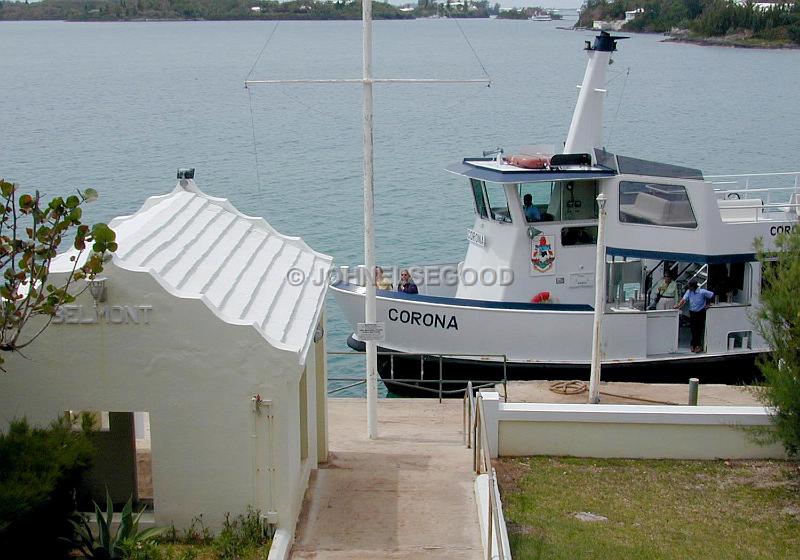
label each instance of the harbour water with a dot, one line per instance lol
(120, 106)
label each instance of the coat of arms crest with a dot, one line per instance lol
(542, 255)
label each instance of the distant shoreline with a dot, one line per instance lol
(736, 41)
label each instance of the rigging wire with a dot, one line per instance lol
(263, 48)
(474, 52)
(252, 117)
(255, 146)
(619, 105)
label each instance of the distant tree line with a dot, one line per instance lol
(115, 10)
(134, 10)
(525, 13)
(779, 23)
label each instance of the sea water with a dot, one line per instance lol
(120, 106)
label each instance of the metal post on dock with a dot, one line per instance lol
(599, 302)
(694, 385)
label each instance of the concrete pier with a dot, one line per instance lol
(407, 495)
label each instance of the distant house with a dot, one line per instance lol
(255, 9)
(209, 322)
(603, 25)
(631, 15)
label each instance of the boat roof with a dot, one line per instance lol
(493, 171)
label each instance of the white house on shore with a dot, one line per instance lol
(210, 322)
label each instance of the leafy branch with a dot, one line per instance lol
(31, 233)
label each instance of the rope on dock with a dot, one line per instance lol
(576, 387)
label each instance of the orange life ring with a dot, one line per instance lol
(541, 297)
(529, 162)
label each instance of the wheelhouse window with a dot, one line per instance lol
(477, 194)
(535, 199)
(498, 203)
(655, 204)
(559, 201)
(579, 235)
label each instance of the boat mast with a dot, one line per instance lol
(369, 225)
(586, 128)
(367, 80)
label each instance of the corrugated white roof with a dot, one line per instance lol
(198, 246)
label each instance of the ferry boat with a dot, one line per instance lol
(521, 303)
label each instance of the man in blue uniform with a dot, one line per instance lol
(698, 299)
(532, 213)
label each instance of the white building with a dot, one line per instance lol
(210, 323)
(631, 15)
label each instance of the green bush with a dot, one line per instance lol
(104, 543)
(240, 537)
(778, 321)
(39, 470)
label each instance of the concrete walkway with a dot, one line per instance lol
(407, 495)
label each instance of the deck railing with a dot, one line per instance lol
(768, 187)
(476, 438)
(423, 384)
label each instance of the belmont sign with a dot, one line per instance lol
(109, 314)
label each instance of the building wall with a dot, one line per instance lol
(195, 375)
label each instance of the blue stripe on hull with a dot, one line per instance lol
(683, 257)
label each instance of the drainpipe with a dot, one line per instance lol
(269, 513)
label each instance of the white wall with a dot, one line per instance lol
(196, 376)
(625, 431)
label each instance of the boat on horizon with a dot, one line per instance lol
(520, 305)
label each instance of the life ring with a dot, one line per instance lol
(529, 162)
(541, 297)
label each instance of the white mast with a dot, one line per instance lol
(586, 128)
(369, 226)
(370, 314)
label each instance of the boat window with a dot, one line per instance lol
(579, 235)
(498, 203)
(731, 282)
(477, 194)
(573, 200)
(535, 200)
(655, 204)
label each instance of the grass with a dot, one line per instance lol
(656, 509)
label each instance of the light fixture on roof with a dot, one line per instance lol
(97, 287)
(184, 174)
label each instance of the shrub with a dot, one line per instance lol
(107, 544)
(39, 470)
(778, 321)
(240, 537)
